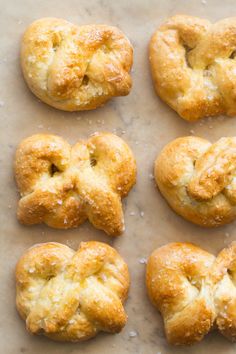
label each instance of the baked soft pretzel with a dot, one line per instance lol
(193, 290)
(198, 179)
(76, 68)
(194, 67)
(71, 296)
(62, 186)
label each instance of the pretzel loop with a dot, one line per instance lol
(193, 290)
(69, 295)
(193, 66)
(62, 186)
(76, 68)
(198, 179)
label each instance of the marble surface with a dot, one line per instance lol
(146, 124)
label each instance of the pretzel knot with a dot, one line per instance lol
(193, 66)
(76, 68)
(198, 179)
(193, 290)
(62, 186)
(71, 296)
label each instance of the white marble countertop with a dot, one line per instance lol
(146, 124)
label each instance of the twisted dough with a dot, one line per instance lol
(76, 68)
(71, 296)
(198, 179)
(62, 186)
(193, 290)
(193, 66)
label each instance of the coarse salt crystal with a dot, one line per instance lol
(142, 214)
(143, 260)
(132, 334)
(31, 58)
(132, 213)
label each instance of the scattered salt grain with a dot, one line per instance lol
(19, 22)
(40, 126)
(142, 214)
(143, 260)
(2, 103)
(227, 234)
(71, 321)
(203, 2)
(9, 206)
(132, 213)
(132, 334)
(151, 176)
(192, 131)
(78, 118)
(31, 59)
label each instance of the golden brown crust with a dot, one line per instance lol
(62, 186)
(193, 290)
(75, 68)
(197, 179)
(71, 296)
(193, 66)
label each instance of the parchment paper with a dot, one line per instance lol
(147, 125)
